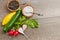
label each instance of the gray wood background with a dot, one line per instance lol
(49, 28)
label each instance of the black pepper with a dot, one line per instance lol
(13, 5)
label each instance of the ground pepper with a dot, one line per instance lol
(13, 5)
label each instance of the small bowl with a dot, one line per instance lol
(10, 2)
(25, 6)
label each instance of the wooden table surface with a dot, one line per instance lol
(49, 28)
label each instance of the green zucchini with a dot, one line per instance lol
(10, 24)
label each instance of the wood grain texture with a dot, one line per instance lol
(49, 23)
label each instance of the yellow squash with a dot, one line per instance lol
(7, 18)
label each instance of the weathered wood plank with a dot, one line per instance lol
(49, 23)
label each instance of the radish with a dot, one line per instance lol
(11, 32)
(16, 33)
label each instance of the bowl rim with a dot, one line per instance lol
(25, 6)
(11, 9)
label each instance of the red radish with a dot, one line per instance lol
(16, 33)
(11, 32)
